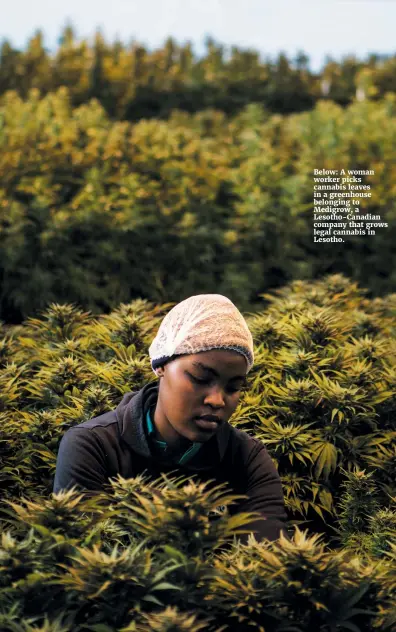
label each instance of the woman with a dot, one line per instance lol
(202, 353)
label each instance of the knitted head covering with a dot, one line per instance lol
(200, 323)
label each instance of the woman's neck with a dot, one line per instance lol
(163, 431)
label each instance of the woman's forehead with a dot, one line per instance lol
(218, 361)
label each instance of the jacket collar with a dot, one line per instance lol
(131, 412)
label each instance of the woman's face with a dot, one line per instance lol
(205, 383)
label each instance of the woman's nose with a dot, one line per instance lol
(215, 397)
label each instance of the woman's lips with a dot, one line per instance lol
(205, 424)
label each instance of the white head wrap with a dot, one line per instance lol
(200, 323)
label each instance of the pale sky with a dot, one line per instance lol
(318, 27)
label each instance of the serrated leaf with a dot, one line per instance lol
(152, 599)
(166, 586)
(318, 511)
(326, 460)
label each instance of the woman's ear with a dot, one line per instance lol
(160, 371)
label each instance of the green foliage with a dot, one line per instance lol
(183, 519)
(364, 525)
(133, 82)
(84, 583)
(168, 620)
(89, 206)
(321, 396)
(312, 588)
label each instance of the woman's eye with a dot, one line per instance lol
(196, 379)
(230, 389)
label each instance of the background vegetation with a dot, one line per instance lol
(129, 180)
(154, 555)
(132, 82)
(130, 174)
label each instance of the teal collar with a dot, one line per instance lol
(165, 450)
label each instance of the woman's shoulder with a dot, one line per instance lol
(245, 445)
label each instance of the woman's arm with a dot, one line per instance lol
(81, 461)
(262, 485)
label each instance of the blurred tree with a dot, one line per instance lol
(36, 67)
(71, 66)
(11, 70)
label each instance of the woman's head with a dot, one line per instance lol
(202, 353)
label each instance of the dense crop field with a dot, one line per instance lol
(321, 396)
(102, 212)
(130, 180)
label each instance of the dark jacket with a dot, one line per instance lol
(116, 443)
